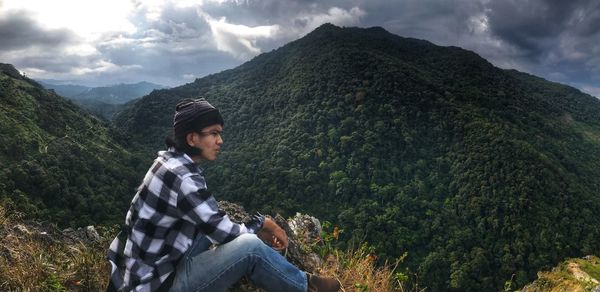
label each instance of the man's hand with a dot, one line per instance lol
(273, 235)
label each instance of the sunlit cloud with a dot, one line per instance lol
(239, 40)
(335, 15)
(86, 18)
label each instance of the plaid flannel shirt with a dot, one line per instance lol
(170, 209)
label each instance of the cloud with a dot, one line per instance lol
(18, 30)
(239, 40)
(334, 15)
(171, 42)
(591, 90)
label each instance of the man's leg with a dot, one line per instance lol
(218, 269)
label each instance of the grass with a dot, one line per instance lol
(562, 278)
(357, 268)
(32, 261)
(357, 271)
(591, 266)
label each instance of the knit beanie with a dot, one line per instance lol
(194, 115)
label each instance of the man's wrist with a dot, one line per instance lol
(256, 222)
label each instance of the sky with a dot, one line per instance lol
(104, 42)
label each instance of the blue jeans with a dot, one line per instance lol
(203, 269)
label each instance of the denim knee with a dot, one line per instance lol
(252, 244)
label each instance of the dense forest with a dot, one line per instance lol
(58, 162)
(480, 174)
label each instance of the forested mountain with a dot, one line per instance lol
(102, 101)
(58, 162)
(478, 173)
(66, 90)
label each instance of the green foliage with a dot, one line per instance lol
(53, 284)
(329, 240)
(60, 163)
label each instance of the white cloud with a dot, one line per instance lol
(86, 18)
(334, 15)
(103, 66)
(188, 76)
(239, 40)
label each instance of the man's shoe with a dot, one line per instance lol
(321, 284)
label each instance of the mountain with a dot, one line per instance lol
(102, 101)
(60, 163)
(66, 90)
(115, 94)
(478, 173)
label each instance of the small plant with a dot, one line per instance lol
(357, 269)
(329, 240)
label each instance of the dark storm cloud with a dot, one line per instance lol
(533, 26)
(442, 22)
(558, 40)
(18, 30)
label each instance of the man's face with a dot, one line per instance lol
(209, 140)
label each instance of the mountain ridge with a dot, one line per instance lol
(111, 94)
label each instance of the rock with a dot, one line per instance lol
(92, 234)
(235, 212)
(85, 235)
(306, 227)
(302, 233)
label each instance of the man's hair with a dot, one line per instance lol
(191, 116)
(180, 145)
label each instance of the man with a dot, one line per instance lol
(173, 220)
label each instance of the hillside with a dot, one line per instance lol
(60, 163)
(478, 173)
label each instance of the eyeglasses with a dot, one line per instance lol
(213, 133)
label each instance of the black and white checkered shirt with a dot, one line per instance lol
(170, 209)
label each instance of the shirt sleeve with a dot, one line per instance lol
(200, 208)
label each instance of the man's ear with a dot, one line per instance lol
(189, 138)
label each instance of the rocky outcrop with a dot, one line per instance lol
(50, 233)
(581, 274)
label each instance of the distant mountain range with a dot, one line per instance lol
(103, 101)
(115, 94)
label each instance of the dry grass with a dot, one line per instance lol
(33, 261)
(356, 270)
